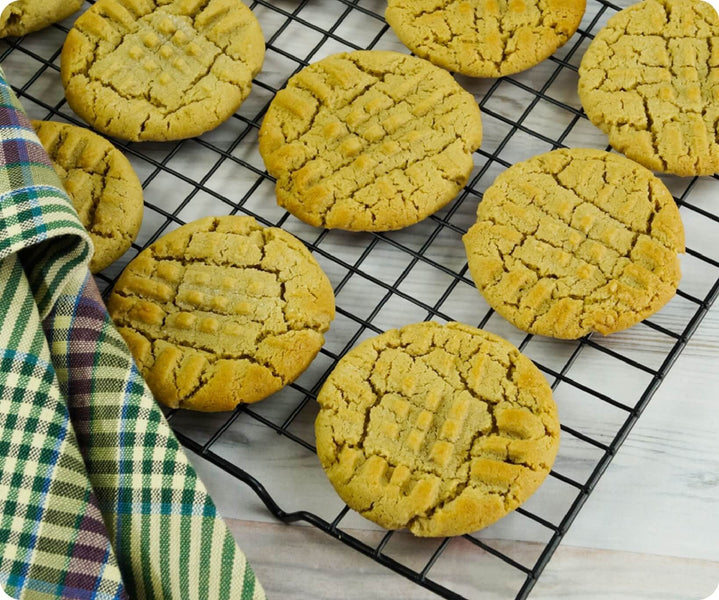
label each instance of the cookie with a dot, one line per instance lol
(484, 38)
(441, 429)
(25, 16)
(575, 241)
(160, 70)
(102, 185)
(649, 79)
(369, 141)
(222, 311)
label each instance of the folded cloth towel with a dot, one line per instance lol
(97, 498)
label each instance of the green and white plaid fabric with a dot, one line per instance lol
(97, 498)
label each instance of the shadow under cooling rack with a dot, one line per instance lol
(386, 280)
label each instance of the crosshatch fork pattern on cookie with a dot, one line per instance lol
(384, 280)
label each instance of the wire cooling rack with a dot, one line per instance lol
(386, 280)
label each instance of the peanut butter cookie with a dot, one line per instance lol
(650, 80)
(369, 141)
(222, 311)
(104, 189)
(442, 429)
(484, 38)
(25, 16)
(575, 241)
(161, 70)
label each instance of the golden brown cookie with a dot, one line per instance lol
(25, 16)
(484, 38)
(650, 80)
(442, 429)
(575, 241)
(152, 70)
(369, 141)
(102, 185)
(222, 311)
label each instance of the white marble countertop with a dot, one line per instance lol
(649, 530)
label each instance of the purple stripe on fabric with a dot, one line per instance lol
(9, 117)
(85, 332)
(37, 154)
(89, 553)
(89, 309)
(15, 151)
(91, 546)
(80, 581)
(92, 525)
(92, 550)
(67, 592)
(84, 356)
(21, 150)
(79, 386)
(87, 576)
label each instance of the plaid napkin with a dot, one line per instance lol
(97, 499)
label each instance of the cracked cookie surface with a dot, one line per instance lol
(222, 311)
(102, 185)
(650, 80)
(25, 16)
(441, 429)
(484, 38)
(161, 70)
(575, 241)
(369, 141)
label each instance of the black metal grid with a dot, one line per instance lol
(385, 280)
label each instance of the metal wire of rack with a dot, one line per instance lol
(384, 280)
